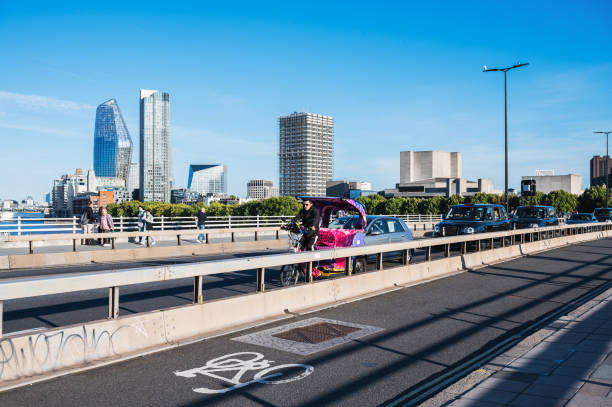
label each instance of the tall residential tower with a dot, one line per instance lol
(155, 170)
(305, 154)
(112, 142)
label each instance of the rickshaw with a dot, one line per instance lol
(331, 235)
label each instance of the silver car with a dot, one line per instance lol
(379, 230)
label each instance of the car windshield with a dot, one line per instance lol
(466, 213)
(527, 212)
(581, 216)
(603, 212)
(344, 222)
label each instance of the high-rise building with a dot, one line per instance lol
(155, 170)
(65, 189)
(208, 179)
(306, 151)
(598, 170)
(133, 181)
(112, 142)
(261, 189)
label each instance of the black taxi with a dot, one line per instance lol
(467, 219)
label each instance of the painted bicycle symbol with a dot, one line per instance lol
(242, 362)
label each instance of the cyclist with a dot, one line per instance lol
(310, 218)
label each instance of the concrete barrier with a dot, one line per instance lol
(26, 358)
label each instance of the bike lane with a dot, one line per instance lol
(406, 336)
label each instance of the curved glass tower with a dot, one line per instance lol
(112, 142)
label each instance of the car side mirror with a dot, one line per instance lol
(444, 217)
(374, 232)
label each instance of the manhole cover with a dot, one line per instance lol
(316, 333)
(309, 335)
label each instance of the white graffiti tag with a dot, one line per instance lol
(241, 363)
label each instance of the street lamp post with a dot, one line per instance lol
(607, 133)
(504, 70)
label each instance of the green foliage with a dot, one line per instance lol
(563, 201)
(592, 198)
(375, 205)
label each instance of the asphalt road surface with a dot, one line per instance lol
(414, 334)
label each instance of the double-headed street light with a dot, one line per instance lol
(504, 70)
(607, 133)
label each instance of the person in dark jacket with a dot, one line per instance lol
(90, 218)
(201, 224)
(310, 218)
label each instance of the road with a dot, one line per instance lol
(415, 333)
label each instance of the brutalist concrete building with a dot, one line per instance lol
(306, 149)
(425, 174)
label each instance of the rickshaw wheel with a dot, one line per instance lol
(289, 275)
(359, 265)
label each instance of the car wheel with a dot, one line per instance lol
(359, 265)
(289, 275)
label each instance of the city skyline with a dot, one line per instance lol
(394, 79)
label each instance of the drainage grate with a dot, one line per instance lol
(309, 335)
(316, 333)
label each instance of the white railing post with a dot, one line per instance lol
(120, 223)
(74, 219)
(162, 222)
(229, 221)
(257, 220)
(18, 225)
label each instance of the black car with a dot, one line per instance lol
(536, 216)
(603, 214)
(467, 219)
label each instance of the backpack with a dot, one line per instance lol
(84, 218)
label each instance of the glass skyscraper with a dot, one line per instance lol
(155, 169)
(112, 142)
(208, 179)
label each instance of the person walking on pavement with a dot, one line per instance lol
(201, 224)
(148, 221)
(88, 219)
(105, 225)
(141, 222)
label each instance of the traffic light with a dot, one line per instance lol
(528, 187)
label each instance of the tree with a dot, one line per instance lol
(592, 198)
(410, 206)
(393, 206)
(563, 201)
(374, 204)
(431, 206)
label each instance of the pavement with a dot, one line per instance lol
(62, 247)
(567, 363)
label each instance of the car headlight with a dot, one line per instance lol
(468, 230)
(534, 225)
(436, 228)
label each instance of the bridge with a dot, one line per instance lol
(187, 324)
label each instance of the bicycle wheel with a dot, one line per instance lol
(289, 275)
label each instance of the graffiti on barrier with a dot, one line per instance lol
(238, 364)
(45, 351)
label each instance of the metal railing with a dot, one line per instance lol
(27, 287)
(25, 226)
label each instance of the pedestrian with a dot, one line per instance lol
(88, 219)
(141, 222)
(148, 220)
(201, 224)
(105, 225)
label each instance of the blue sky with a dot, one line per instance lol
(395, 76)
